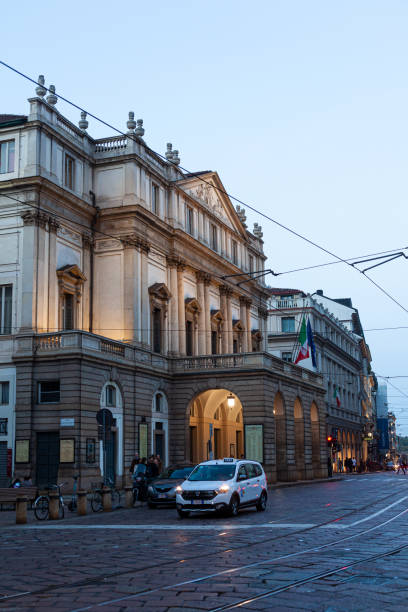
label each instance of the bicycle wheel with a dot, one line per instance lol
(96, 502)
(41, 508)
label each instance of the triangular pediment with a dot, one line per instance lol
(207, 189)
(237, 325)
(216, 316)
(160, 291)
(71, 271)
(192, 305)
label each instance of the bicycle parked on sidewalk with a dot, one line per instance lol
(96, 495)
(42, 503)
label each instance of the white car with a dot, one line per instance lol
(223, 485)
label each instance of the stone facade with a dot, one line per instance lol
(130, 288)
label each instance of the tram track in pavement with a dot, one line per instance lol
(269, 592)
(296, 583)
(106, 576)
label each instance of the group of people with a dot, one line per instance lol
(402, 464)
(150, 467)
(17, 483)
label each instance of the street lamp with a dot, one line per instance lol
(230, 401)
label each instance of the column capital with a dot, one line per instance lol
(225, 290)
(34, 217)
(262, 312)
(245, 300)
(203, 277)
(132, 241)
(87, 241)
(53, 225)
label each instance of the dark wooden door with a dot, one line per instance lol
(110, 457)
(47, 458)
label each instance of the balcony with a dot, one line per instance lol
(84, 343)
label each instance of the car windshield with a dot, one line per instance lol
(176, 472)
(213, 472)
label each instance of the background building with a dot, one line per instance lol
(342, 357)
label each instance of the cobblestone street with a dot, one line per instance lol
(329, 546)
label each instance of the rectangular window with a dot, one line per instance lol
(6, 293)
(4, 392)
(155, 199)
(287, 356)
(49, 392)
(189, 221)
(7, 155)
(288, 324)
(68, 311)
(214, 342)
(234, 252)
(3, 427)
(158, 400)
(251, 263)
(214, 237)
(69, 172)
(110, 396)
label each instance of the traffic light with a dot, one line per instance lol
(329, 441)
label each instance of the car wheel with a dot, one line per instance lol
(151, 505)
(261, 503)
(183, 513)
(233, 506)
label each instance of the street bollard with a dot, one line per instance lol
(21, 510)
(129, 497)
(106, 499)
(82, 502)
(54, 506)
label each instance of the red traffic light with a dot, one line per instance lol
(329, 438)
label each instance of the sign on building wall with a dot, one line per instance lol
(254, 442)
(22, 451)
(142, 440)
(67, 451)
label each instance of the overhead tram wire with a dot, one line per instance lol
(198, 176)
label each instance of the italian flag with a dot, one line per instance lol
(336, 396)
(304, 346)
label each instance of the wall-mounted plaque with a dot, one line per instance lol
(22, 451)
(143, 440)
(90, 450)
(254, 442)
(67, 450)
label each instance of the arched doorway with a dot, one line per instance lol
(111, 457)
(280, 437)
(216, 426)
(299, 439)
(315, 429)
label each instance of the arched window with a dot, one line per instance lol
(110, 396)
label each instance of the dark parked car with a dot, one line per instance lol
(162, 490)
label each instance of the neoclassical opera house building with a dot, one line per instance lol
(131, 285)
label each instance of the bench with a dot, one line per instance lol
(9, 496)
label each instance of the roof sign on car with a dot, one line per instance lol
(229, 460)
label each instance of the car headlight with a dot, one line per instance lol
(179, 489)
(151, 489)
(224, 488)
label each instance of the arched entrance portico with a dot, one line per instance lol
(216, 426)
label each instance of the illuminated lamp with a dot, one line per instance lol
(230, 401)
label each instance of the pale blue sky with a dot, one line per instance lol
(301, 106)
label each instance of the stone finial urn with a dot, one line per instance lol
(52, 98)
(131, 123)
(175, 157)
(83, 123)
(40, 90)
(169, 152)
(139, 131)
